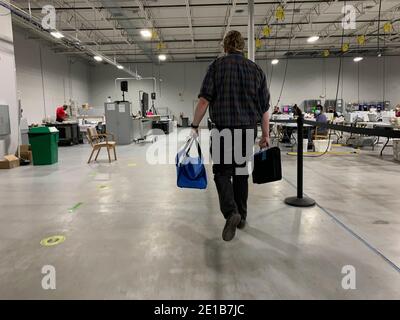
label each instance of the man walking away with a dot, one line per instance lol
(236, 91)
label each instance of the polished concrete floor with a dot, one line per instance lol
(137, 236)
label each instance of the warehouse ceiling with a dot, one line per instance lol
(192, 30)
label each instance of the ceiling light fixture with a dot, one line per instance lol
(358, 59)
(275, 61)
(120, 67)
(98, 58)
(162, 57)
(57, 34)
(312, 39)
(146, 33)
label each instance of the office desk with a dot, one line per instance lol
(141, 128)
(154, 117)
(69, 133)
(386, 126)
(288, 130)
(165, 125)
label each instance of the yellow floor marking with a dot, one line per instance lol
(52, 241)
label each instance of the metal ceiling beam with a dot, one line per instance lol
(130, 28)
(228, 18)
(268, 17)
(68, 17)
(34, 25)
(221, 25)
(149, 18)
(393, 21)
(106, 18)
(189, 17)
(308, 17)
(216, 51)
(205, 4)
(336, 25)
(375, 19)
(218, 39)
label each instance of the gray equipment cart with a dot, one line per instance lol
(119, 121)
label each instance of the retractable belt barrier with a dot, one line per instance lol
(388, 132)
(300, 200)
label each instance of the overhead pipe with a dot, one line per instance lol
(36, 26)
(205, 4)
(251, 40)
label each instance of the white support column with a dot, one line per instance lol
(251, 40)
(8, 83)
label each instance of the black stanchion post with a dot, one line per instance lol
(299, 200)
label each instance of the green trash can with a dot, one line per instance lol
(44, 143)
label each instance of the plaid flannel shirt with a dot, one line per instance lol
(236, 89)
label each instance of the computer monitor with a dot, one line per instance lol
(285, 109)
(145, 103)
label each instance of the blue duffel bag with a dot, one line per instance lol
(190, 171)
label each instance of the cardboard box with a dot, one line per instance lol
(25, 148)
(26, 155)
(25, 152)
(9, 162)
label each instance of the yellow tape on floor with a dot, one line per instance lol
(52, 241)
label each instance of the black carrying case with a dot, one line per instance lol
(267, 166)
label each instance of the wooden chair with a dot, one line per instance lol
(99, 141)
(321, 135)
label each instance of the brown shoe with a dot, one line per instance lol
(230, 227)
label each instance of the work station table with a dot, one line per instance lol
(165, 125)
(288, 129)
(143, 126)
(372, 125)
(69, 133)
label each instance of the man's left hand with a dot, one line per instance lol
(264, 142)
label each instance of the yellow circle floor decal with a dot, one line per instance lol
(52, 241)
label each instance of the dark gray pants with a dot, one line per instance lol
(229, 172)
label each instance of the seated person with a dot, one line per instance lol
(297, 111)
(61, 115)
(398, 111)
(335, 114)
(321, 118)
(276, 110)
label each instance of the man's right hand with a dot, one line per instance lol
(194, 133)
(264, 142)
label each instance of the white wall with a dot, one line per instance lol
(305, 79)
(8, 144)
(178, 90)
(64, 78)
